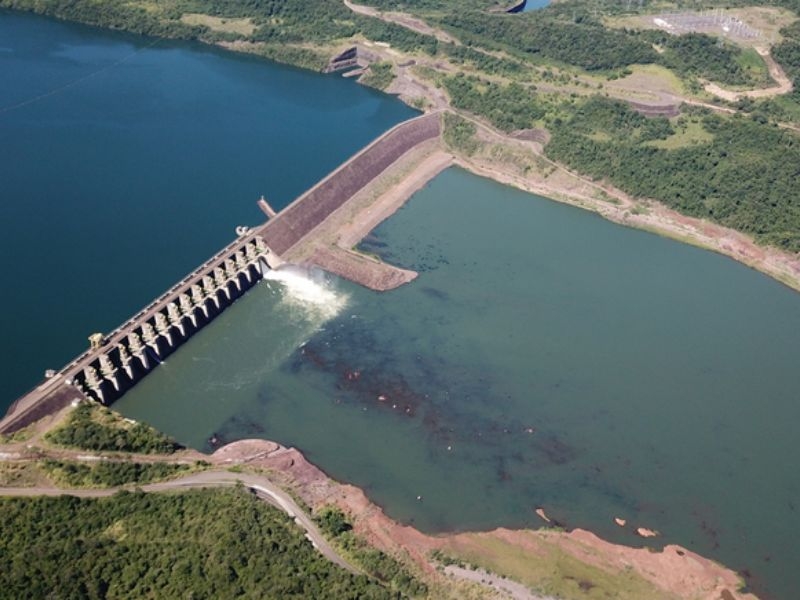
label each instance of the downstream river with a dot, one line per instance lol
(544, 357)
(125, 162)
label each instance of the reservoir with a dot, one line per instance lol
(535, 5)
(125, 162)
(544, 357)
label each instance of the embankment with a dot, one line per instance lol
(312, 208)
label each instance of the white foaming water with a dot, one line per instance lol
(309, 290)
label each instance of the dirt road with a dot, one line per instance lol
(402, 19)
(776, 72)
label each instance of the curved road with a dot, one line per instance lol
(206, 479)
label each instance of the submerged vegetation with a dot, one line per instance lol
(515, 72)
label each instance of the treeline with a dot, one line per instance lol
(196, 544)
(334, 524)
(785, 107)
(700, 55)
(744, 178)
(509, 107)
(303, 21)
(586, 45)
(114, 14)
(591, 46)
(108, 473)
(91, 427)
(284, 26)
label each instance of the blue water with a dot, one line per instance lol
(127, 161)
(535, 5)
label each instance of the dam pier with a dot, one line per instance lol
(115, 362)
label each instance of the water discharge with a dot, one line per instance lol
(307, 290)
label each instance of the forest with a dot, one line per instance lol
(284, 26)
(745, 177)
(220, 543)
(92, 427)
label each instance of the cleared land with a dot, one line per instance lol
(241, 26)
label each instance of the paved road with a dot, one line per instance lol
(260, 485)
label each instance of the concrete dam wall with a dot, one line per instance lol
(118, 360)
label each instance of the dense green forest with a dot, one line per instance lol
(335, 525)
(222, 543)
(509, 107)
(586, 45)
(92, 427)
(283, 26)
(109, 473)
(744, 177)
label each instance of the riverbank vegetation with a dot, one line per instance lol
(104, 474)
(743, 175)
(137, 545)
(93, 427)
(379, 76)
(391, 572)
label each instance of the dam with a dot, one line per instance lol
(115, 362)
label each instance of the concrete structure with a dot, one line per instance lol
(312, 208)
(116, 362)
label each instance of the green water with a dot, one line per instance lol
(544, 357)
(126, 161)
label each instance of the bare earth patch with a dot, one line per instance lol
(776, 72)
(402, 19)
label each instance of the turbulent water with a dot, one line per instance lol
(544, 357)
(125, 162)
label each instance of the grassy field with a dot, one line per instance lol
(547, 569)
(243, 27)
(687, 133)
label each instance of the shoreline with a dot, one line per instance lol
(332, 244)
(674, 570)
(542, 176)
(640, 213)
(767, 260)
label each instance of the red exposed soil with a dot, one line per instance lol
(675, 570)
